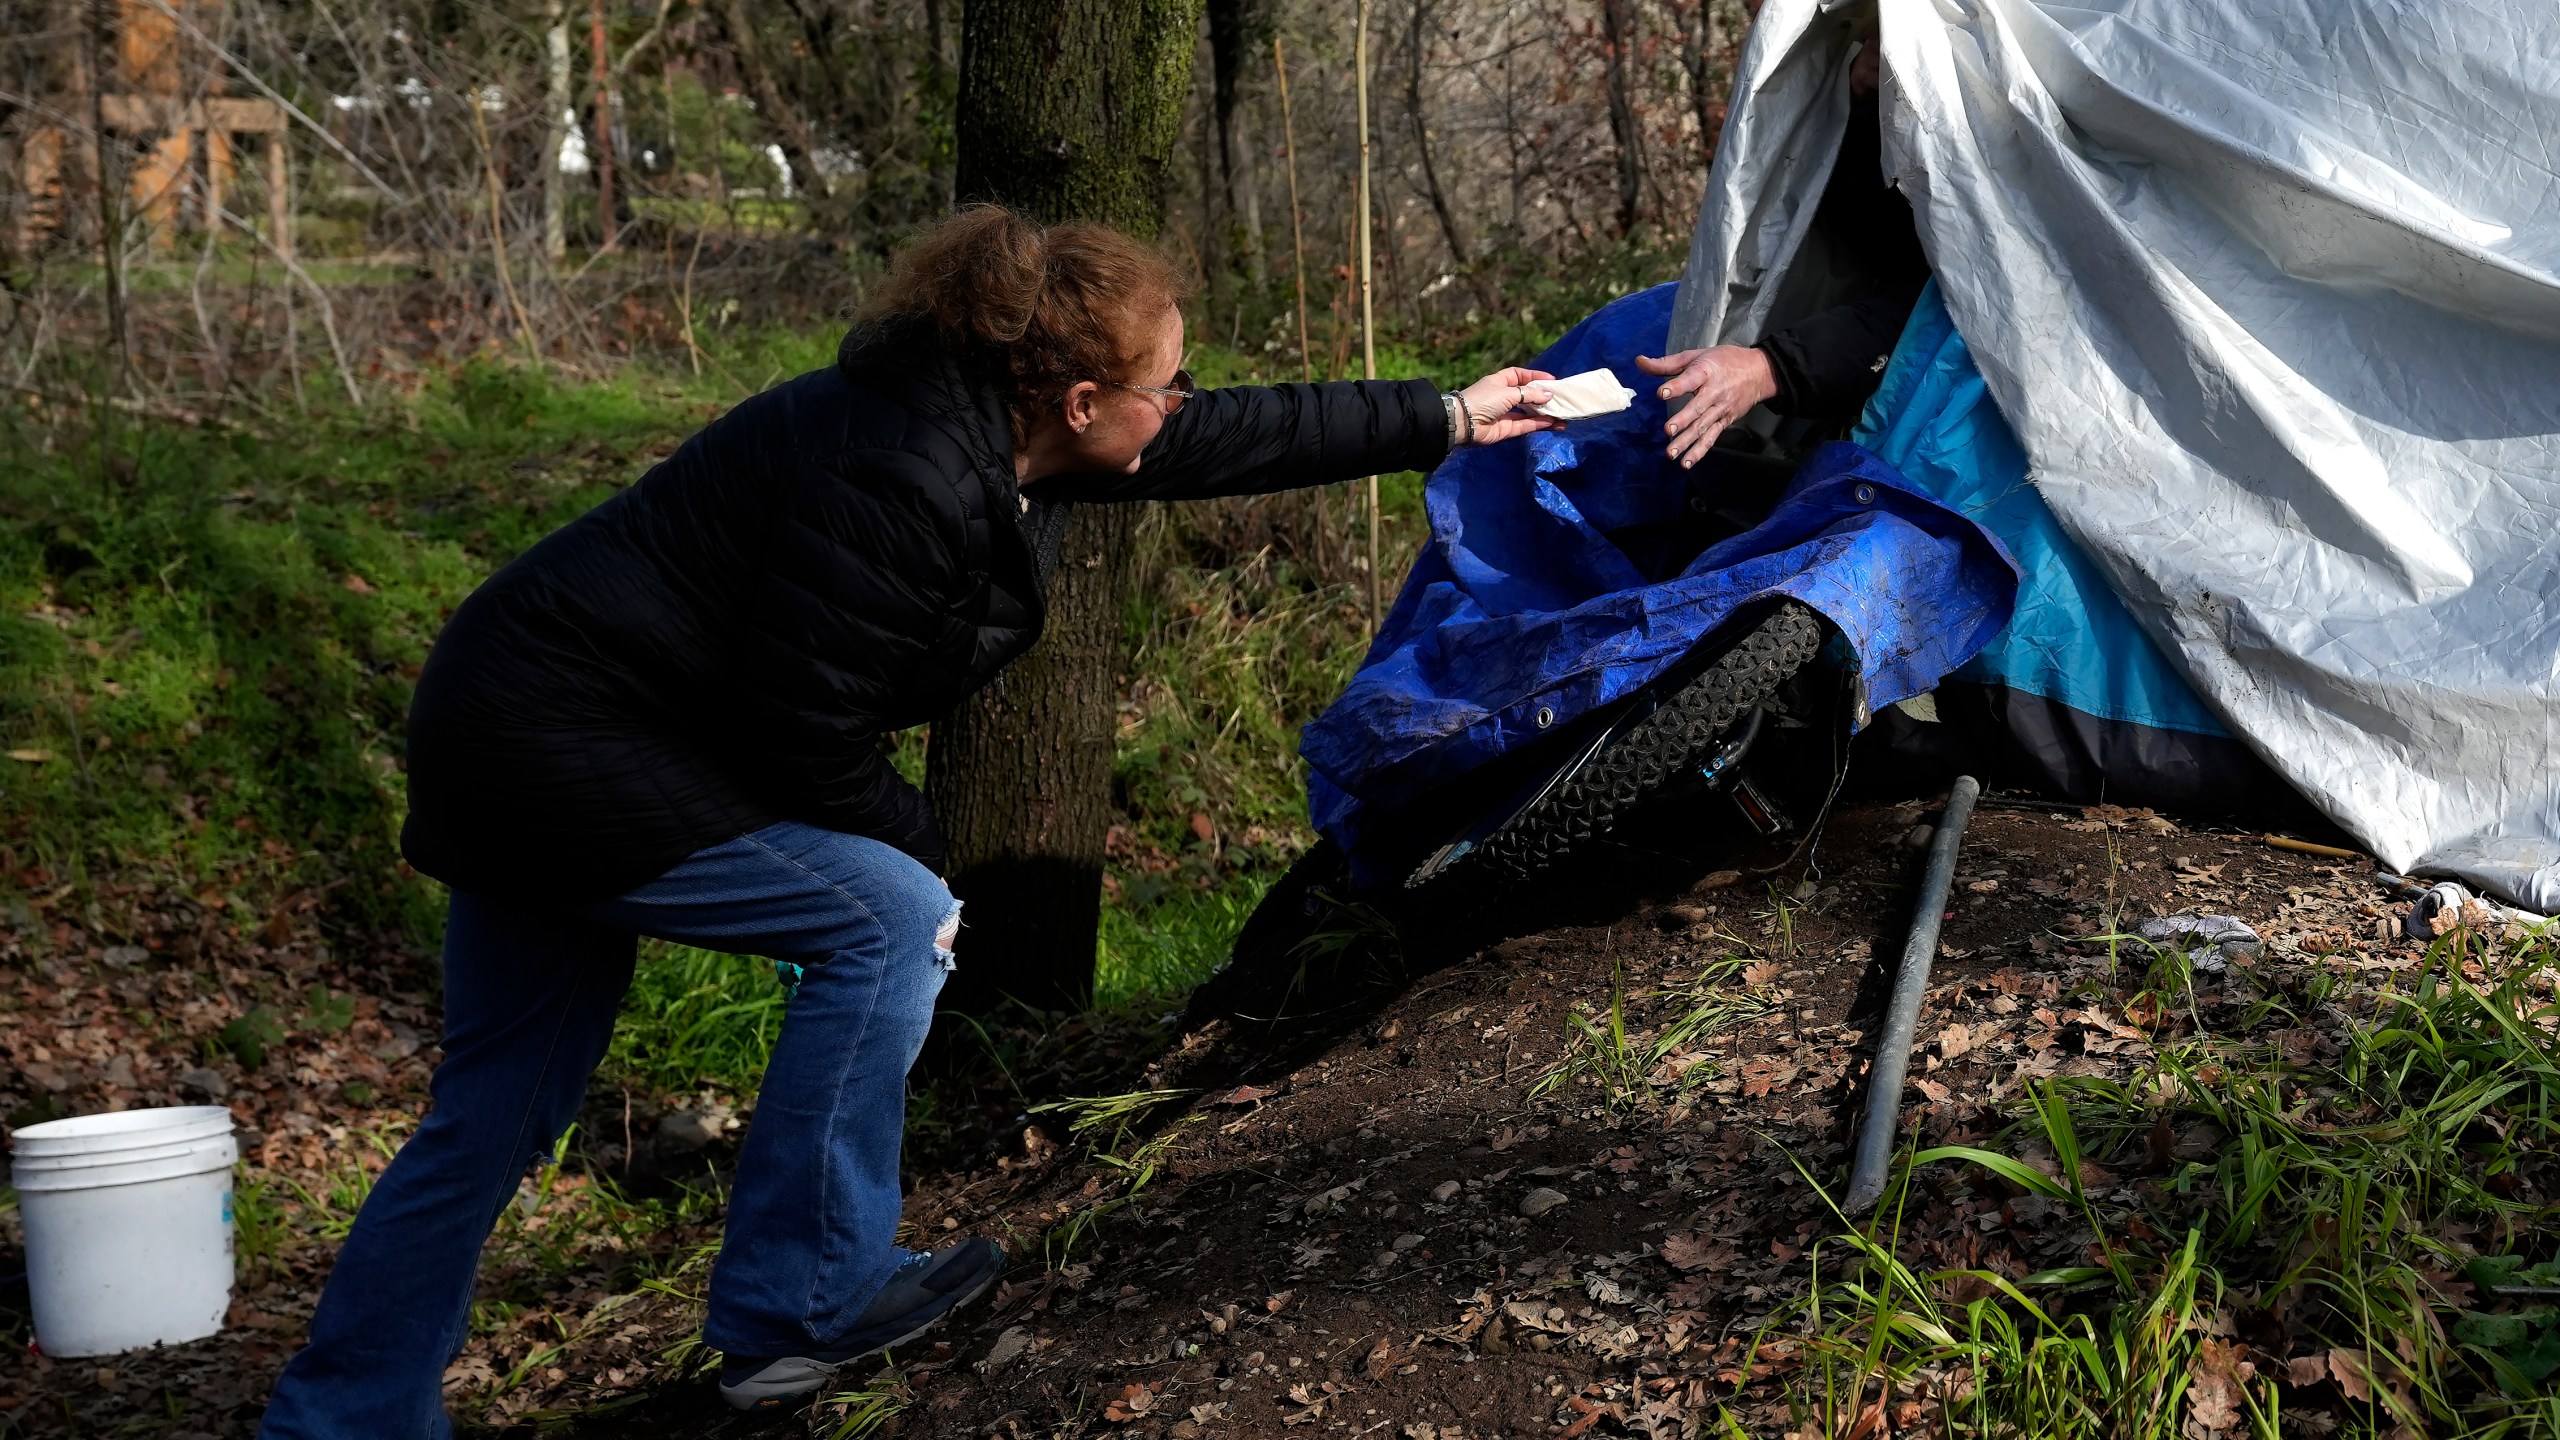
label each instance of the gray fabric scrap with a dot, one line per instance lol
(2211, 942)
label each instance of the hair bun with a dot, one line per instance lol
(1065, 303)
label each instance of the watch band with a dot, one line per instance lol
(1462, 420)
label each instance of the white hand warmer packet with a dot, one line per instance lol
(1579, 397)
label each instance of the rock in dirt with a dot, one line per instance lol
(1444, 1192)
(125, 956)
(1539, 1201)
(1917, 837)
(1007, 1349)
(693, 1129)
(1681, 917)
(2211, 942)
(199, 1080)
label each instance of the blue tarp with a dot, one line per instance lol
(1521, 603)
(2070, 638)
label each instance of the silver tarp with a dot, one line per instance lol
(2268, 291)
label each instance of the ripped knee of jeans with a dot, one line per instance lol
(946, 937)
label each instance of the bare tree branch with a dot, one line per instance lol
(656, 31)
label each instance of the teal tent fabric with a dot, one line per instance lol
(2069, 639)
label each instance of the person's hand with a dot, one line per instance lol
(1723, 384)
(1494, 403)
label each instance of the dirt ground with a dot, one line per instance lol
(1337, 1243)
(1401, 1225)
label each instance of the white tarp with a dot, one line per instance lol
(2268, 291)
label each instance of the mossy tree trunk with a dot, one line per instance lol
(1069, 109)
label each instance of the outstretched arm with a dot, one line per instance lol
(1255, 439)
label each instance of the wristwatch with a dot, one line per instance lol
(1462, 421)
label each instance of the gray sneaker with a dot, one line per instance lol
(923, 1289)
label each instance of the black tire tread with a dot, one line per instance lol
(1681, 735)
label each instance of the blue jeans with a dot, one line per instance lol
(530, 996)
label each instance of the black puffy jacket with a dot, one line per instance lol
(722, 645)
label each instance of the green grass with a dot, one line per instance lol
(1103, 1125)
(866, 1411)
(1652, 1065)
(696, 1018)
(2332, 1252)
(1159, 951)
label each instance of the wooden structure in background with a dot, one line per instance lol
(198, 142)
(162, 107)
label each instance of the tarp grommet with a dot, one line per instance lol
(1865, 494)
(1546, 716)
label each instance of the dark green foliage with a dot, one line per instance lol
(327, 1013)
(2522, 1345)
(248, 1036)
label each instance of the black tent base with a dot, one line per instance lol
(2021, 742)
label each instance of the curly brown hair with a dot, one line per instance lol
(1060, 303)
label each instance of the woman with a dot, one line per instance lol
(664, 720)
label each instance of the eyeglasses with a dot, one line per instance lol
(1181, 390)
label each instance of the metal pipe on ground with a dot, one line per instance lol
(1902, 1016)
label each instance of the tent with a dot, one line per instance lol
(2268, 299)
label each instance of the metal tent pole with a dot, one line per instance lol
(1902, 1017)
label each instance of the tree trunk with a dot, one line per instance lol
(941, 84)
(1698, 47)
(608, 213)
(1068, 109)
(1617, 24)
(111, 198)
(1212, 245)
(1020, 778)
(558, 103)
(1244, 196)
(1238, 29)
(1416, 51)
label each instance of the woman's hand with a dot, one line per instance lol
(1494, 404)
(1723, 383)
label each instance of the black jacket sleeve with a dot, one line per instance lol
(859, 584)
(1827, 364)
(1255, 439)
(861, 793)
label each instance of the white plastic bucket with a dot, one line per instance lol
(128, 1222)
